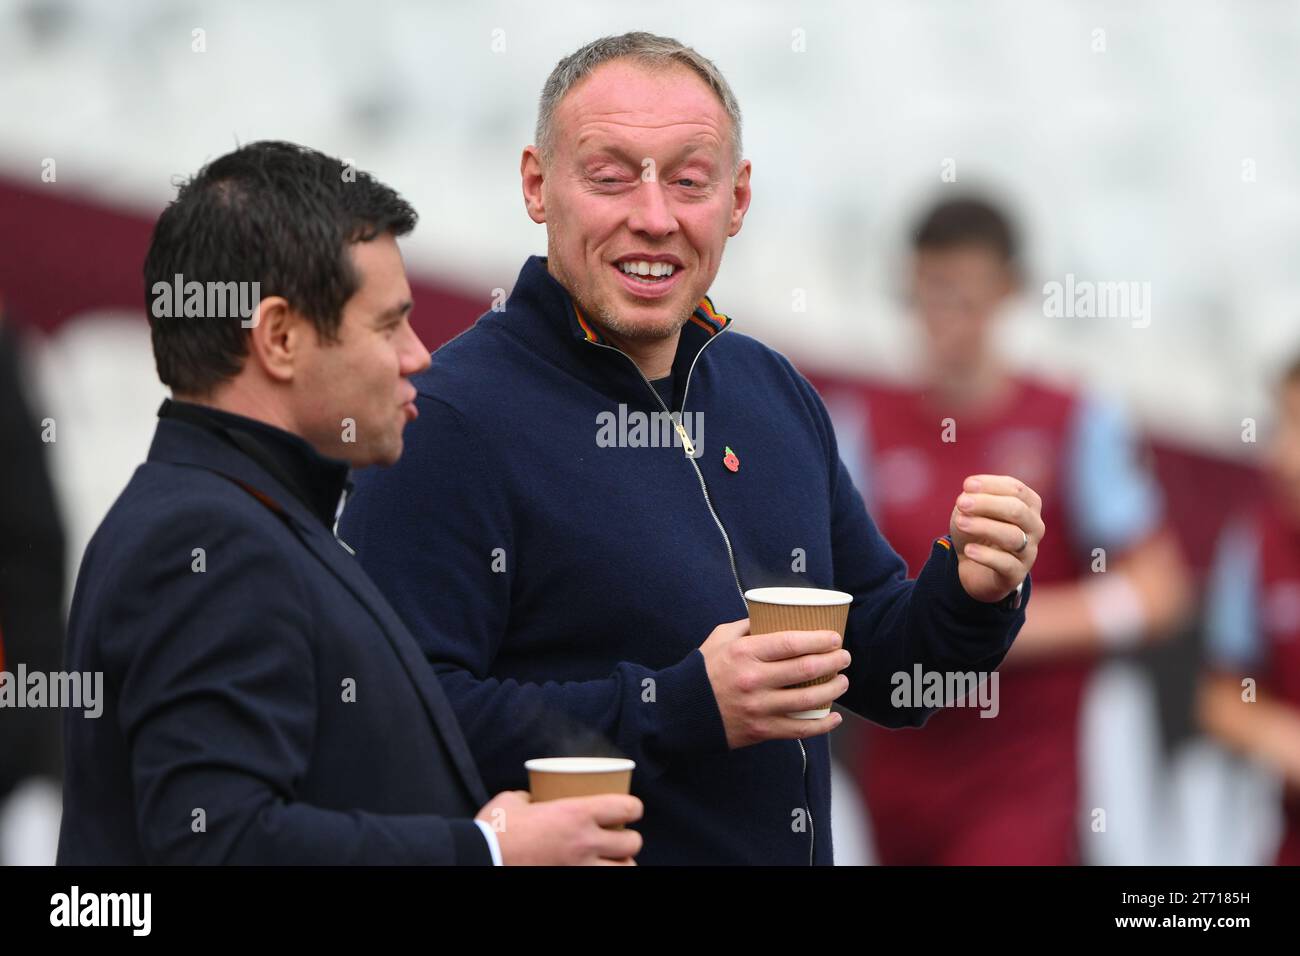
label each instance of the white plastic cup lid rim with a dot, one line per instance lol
(579, 764)
(798, 597)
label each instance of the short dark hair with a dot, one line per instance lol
(270, 212)
(967, 221)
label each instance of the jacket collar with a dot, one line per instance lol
(315, 480)
(541, 311)
(183, 443)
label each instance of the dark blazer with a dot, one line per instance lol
(269, 708)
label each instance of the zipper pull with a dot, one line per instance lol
(686, 439)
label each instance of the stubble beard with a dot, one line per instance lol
(604, 314)
(610, 321)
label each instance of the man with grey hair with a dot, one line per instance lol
(579, 584)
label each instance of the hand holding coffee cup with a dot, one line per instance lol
(567, 831)
(800, 609)
(575, 814)
(752, 677)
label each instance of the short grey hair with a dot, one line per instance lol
(644, 48)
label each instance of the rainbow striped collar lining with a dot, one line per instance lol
(705, 316)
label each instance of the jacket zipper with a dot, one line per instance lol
(689, 447)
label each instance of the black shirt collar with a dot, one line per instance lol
(315, 480)
(664, 386)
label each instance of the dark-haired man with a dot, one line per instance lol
(264, 704)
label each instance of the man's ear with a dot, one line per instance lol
(533, 177)
(741, 196)
(278, 337)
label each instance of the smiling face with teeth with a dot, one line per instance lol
(639, 194)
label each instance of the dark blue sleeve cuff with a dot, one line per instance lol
(686, 716)
(977, 631)
(470, 844)
(957, 600)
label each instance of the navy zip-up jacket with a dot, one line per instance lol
(562, 582)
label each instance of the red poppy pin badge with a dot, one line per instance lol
(731, 461)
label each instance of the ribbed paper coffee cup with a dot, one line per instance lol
(799, 609)
(554, 778)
